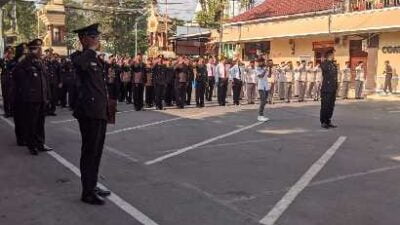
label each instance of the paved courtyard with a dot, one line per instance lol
(215, 166)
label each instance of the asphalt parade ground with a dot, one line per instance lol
(214, 166)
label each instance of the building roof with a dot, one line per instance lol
(275, 8)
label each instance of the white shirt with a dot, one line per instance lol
(220, 71)
(262, 79)
(303, 73)
(289, 75)
(318, 74)
(250, 75)
(210, 70)
(236, 72)
(360, 75)
(310, 74)
(346, 74)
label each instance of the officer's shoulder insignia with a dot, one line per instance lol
(93, 63)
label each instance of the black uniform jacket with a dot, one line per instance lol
(31, 80)
(330, 77)
(91, 87)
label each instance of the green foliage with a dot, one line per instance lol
(118, 29)
(26, 20)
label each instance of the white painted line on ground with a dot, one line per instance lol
(73, 120)
(142, 126)
(119, 153)
(118, 201)
(301, 184)
(353, 175)
(150, 124)
(394, 111)
(183, 150)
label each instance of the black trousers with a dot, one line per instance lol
(138, 91)
(54, 92)
(159, 91)
(237, 89)
(67, 95)
(222, 89)
(210, 88)
(129, 93)
(19, 122)
(93, 133)
(200, 91)
(180, 94)
(124, 92)
(34, 119)
(189, 93)
(169, 94)
(149, 96)
(327, 106)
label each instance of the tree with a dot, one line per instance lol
(212, 12)
(26, 20)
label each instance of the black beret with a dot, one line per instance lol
(89, 30)
(35, 43)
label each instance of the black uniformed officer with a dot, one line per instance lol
(170, 80)
(18, 104)
(181, 81)
(67, 76)
(53, 75)
(91, 112)
(190, 80)
(328, 90)
(201, 82)
(139, 72)
(159, 82)
(30, 77)
(6, 86)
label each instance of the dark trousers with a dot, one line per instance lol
(34, 119)
(93, 133)
(263, 101)
(200, 91)
(236, 89)
(124, 92)
(149, 96)
(19, 122)
(159, 91)
(210, 88)
(169, 94)
(180, 95)
(327, 106)
(129, 93)
(6, 102)
(54, 91)
(222, 89)
(189, 89)
(388, 84)
(138, 90)
(67, 95)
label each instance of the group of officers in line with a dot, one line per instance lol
(92, 85)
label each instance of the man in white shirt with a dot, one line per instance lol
(263, 87)
(236, 77)
(281, 81)
(289, 78)
(360, 79)
(251, 81)
(310, 79)
(211, 79)
(302, 81)
(296, 70)
(221, 77)
(318, 82)
(346, 78)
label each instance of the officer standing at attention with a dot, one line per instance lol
(32, 86)
(91, 112)
(328, 90)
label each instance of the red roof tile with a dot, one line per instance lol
(273, 8)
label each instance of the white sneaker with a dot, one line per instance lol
(262, 118)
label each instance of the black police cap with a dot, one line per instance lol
(35, 43)
(89, 30)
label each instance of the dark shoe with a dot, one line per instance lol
(93, 199)
(21, 143)
(325, 126)
(101, 192)
(52, 114)
(332, 126)
(33, 151)
(45, 149)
